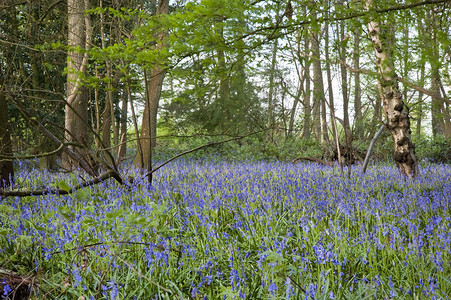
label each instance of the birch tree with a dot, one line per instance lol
(398, 120)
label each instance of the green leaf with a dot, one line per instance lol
(64, 186)
(88, 222)
(109, 215)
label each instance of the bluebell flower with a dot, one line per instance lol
(272, 288)
(6, 288)
(390, 284)
(289, 289)
(76, 274)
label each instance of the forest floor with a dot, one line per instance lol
(244, 230)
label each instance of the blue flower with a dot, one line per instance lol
(76, 274)
(114, 290)
(272, 288)
(6, 288)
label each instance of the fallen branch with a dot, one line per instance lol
(23, 193)
(21, 287)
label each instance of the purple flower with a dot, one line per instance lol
(6, 288)
(390, 284)
(76, 274)
(114, 290)
(272, 288)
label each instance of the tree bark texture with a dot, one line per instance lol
(76, 109)
(344, 82)
(398, 120)
(149, 127)
(357, 89)
(318, 87)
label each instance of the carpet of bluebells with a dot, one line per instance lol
(223, 230)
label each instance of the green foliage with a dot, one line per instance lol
(253, 148)
(436, 149)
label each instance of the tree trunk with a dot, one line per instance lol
(331, 94)
(344, 82)
(270, 117)
(76, 109)
(123, 127)
(318, 87)
(398, 120)
(306, 132)
(6, 166)
(357, 89)
(419, 114)
(439, 110)
(106, 122)
(299, 93)
(149, 121)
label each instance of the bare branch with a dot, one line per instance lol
(5, 157)
(203, 146)
(83, 164)
(403, 80)
(349, 16)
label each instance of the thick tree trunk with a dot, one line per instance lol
(76, 110)
(398, 120)
(436, 104)
(149, 126)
